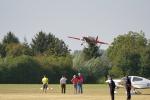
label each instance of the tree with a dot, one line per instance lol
(48, 45)
(145, 62)
(125, 52)
(116, 72)
(15, 49)
(10, 38)
(92, 62)
(91, 51)
(2, 51)
(93, 66)
(55, 46)
(39, 44)
(26, 48)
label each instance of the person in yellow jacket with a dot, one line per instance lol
(45, 83)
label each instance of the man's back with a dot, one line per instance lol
(112, 84)
(128, 82)
(63, 80)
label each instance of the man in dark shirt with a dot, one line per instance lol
(112, 88)
(128, 88)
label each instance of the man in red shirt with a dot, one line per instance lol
(80, 82)
(74, 81)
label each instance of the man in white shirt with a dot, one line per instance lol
(63, 84)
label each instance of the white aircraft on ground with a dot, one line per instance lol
(136, 81)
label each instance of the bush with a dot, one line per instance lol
(27, 69)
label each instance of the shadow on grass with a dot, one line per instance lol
(145, 94)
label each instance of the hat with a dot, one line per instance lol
(74, 76)
(79, 73)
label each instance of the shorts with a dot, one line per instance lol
(45, 86)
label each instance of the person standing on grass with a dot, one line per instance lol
(74, 81)
(45, 83)
(63, 84)
(80, 83)
(128, 87)
(112, 87)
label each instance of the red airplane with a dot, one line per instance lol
(89, 40)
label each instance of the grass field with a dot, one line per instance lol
(91, 92)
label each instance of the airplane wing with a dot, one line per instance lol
(101, 42)
(74, 38)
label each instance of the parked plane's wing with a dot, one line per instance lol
(117, 82)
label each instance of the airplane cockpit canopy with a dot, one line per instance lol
(137, 79)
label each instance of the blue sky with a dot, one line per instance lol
(105, 18)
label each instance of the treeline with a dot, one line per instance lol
(27, 69)
(128, 54)
(27, 63)
(42, 44)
